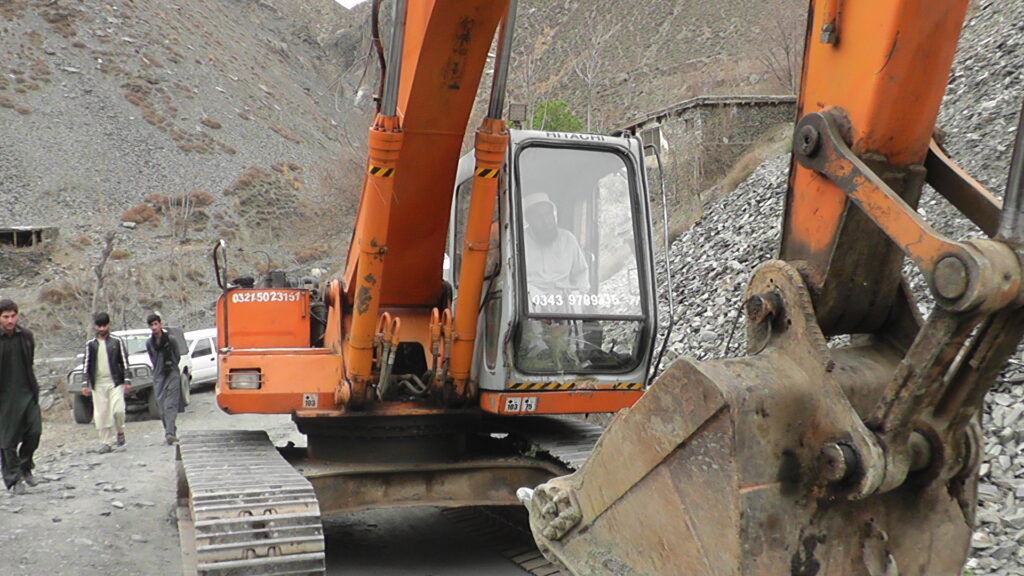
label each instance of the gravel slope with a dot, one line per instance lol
(711, 263)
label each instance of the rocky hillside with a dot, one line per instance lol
(187, 122)
(713, 261)
(170, 125)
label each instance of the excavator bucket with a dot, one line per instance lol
(719, 469)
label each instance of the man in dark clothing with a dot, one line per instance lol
(166, 376)
(21, 423)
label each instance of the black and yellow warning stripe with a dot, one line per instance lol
(519, 386)
(541, 385)
(487, 172)
(380, 171)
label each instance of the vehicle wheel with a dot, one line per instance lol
(81, 408)
(186, 388)
(151, 404)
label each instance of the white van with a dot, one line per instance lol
(202, 349)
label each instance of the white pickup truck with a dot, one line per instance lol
(202, 349)
(141, 371)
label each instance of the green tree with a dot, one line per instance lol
(555, 115)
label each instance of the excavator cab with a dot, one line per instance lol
(568, 312)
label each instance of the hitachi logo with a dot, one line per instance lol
(574, 136)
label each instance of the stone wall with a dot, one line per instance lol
(701, 139)
(27, 236)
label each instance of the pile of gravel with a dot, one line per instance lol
(712, 262)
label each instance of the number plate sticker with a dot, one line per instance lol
(264, 296)
(310, 400)
(515, 404)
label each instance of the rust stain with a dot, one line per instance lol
(455, 67)
(803, 562)
(363, 299)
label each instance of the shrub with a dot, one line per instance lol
(285, 167)
(141, 214)
(158, 201)
(555, 115)
(200, 198)
(251, 175)
(284, 133)
(310, 253)
(54, 293)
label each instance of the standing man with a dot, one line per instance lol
(21, 423)
(107, 379)
(166, 375)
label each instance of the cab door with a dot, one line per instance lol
(568, 314)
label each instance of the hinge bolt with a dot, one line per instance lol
(809, 140)
(950, 277)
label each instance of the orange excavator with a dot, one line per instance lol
(483, 300)
(847, 441)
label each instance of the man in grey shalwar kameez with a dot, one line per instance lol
(21, 423)
(166, 376)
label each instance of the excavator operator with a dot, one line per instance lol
(555, 269)
(554, 260)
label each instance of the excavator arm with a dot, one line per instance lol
(381, 368)
(804, 458)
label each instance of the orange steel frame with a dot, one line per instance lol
(394, 263)
(890, 94)
(397, 252)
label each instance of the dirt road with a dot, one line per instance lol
(106, 514)
(113, 514)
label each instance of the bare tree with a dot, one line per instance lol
(179, 215)
(783, 32)
(98, 269)
(587, 65)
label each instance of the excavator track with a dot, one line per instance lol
(565, 440)
(249, 510)
(506, 531)
(245, 509)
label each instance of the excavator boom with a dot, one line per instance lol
(483, 299)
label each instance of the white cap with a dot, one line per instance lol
(535, 198)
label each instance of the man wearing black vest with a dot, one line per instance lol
(107, 379)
